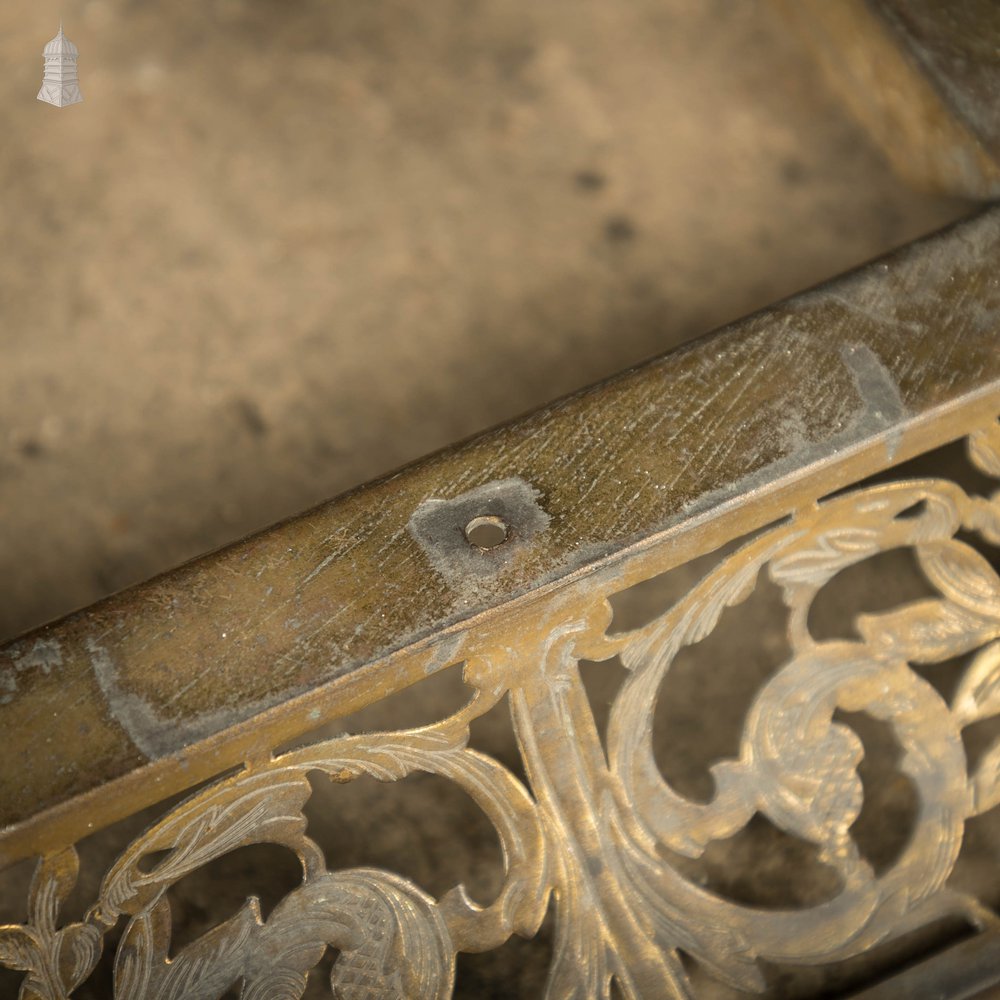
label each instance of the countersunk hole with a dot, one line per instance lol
(486, 532)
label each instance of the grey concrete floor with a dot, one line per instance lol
(283, 247)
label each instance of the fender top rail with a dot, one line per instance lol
(162, 686)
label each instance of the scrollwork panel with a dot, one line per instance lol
(595, 826)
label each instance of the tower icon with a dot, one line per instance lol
(60, 85)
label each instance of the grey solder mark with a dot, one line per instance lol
(44, 655)
(153, 733)
(883, 404)
(440, 528)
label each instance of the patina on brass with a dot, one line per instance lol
(217, 664)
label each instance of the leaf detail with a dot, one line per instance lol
(215, 961)
(260, 808)
(926, 632)
(52, 883)
(81, 943)
(19, 948)
(978, 694)
(984, 449)
(143, 947)
(986, 781)
(833, 551)
(984, 516)
(731, 592)
(962, 575)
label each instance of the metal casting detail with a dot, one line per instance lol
(596, 825)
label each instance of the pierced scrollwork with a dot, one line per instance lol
(394, 940)
(56, 961)
(797, 764)
(596, 826)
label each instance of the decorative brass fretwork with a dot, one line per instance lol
(590, 829)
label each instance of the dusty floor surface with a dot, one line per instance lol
(283, 247)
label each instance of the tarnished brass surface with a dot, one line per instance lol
(922, 76)
(593, 826)
(293, 627)
(225, 661)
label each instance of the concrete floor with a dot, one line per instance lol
(283, 247)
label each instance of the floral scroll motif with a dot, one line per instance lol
(593, 828)
(394, 940)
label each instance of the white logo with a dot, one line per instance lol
(60, 85)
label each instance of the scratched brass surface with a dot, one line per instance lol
(315, 615)
(596, 826)
(600, 492)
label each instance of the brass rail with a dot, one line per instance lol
(215, 665)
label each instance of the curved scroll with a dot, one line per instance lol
(394, 940)
(591, 831)
(796, 764)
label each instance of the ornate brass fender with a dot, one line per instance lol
(594, 825)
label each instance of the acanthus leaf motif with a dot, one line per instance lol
(978, 693)
(926, 632)
(53, 881)
(984, 517)
(80, 948)
(20, 947)
(832, 551)
(985, 781)
(962, 575)
(582, 834)
(984, 449)
(143, 947)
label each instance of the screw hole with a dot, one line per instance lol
(486, 532)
